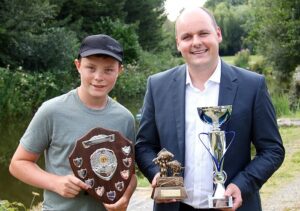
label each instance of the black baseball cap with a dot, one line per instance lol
(101, 44)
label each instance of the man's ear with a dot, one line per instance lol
(219, 34)
(177, 44)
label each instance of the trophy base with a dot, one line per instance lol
(175, 192)
(217, 202)
(169, 188)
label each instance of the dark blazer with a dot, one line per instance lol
(253, 119)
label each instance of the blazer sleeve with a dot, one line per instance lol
(267, 142)
(147, 142)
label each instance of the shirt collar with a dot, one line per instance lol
(215, 77)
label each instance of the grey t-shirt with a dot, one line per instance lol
(54, 129)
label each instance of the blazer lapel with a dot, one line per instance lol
(178, 94)
(228, 85)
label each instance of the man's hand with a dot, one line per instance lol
(153, 184)
(235, 192)
(69, 186)
(122, 203)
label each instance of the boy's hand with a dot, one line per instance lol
(69, 186)
(122, 203)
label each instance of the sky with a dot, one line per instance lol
(173, 7)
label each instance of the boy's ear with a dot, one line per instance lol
(77, 64)
(121, 69)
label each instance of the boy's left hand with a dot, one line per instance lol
(122, 203)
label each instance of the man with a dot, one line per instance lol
(170, 119)
(61, 121)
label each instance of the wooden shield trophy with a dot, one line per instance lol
(103, 159)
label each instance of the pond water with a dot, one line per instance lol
(10, 133)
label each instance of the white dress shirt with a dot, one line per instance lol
(198, 171)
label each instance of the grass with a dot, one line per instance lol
(143, 182)
(293, 115)
(230, 59)
(291, 165)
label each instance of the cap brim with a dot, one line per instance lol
(103, 52)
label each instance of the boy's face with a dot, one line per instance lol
(98, 76)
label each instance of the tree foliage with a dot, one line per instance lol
(276, 33)
(29, 39)
(231, 20)
(124, 33)
(149, 16)
(41, 35)
(212, 4)
(81, 16)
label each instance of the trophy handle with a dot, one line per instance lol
(208, 149)
(232, 138)
(215, 160)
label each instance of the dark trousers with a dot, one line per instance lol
(185, 207)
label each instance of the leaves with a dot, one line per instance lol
(275, 33)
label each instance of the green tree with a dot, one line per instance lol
(81, 15)
(231, 20)
(124, 33)
(211, 4)
(149, 16)
(275, 31)
(100, 17)
(168, 43)
(30, 39)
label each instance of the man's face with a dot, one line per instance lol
(198, 39)
(98, 76)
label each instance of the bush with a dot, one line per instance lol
(5, 205)
(124, 33)
(259, 65)
(242, 58)
(294, 93)
(132, 83)
(54, 49)
(281, 104)
(22, 93)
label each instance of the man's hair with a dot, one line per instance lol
(213, 20)
(212, 17)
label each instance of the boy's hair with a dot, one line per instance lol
(101, 44)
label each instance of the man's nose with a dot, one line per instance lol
(197, 40)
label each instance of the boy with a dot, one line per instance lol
(61, 121)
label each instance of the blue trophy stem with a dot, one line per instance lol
(217, 163)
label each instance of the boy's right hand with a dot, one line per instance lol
(69, 186)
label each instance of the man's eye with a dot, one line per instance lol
(185, 37)
(203, 34)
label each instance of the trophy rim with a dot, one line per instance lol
(214, 120)
(228, 107)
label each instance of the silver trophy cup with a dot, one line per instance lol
(217, 116)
